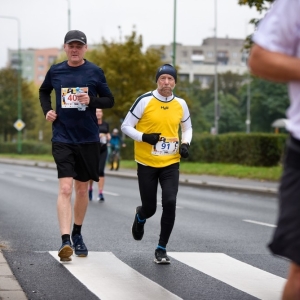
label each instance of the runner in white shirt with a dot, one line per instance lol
(276, 56)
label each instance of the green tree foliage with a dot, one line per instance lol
(9, 104)
(269, 101)
(260, 5)
(129, 71)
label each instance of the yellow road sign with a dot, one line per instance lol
(19, 125)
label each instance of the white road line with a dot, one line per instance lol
(260, 223)
(159, 203)
(40, 179)
(110, 193)
(242, 276)
(19, 175)
(109, 278)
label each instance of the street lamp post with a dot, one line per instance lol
(19, 80)
(69, 16)
(248, 120)
(174, 36)
(216, 76)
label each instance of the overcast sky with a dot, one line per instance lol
(44, 23)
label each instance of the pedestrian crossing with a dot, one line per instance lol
(109, 278)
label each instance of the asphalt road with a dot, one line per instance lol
(218, 245)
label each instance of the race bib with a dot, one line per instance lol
(166, 146)
(69, 97)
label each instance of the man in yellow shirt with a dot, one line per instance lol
(153, 122)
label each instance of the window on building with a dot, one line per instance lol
(244, 57)
(41, 77)
(210, 54)
(184, 77)
(41, 67)
(198, 62)
(40, 58)
(184, 53)
(197, 52)
(205, 80)
(51, 59)
(223, 57)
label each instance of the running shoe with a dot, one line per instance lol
(161, 257)
(79, 246)
(65, 252)
(137, 227)
(100, 197)
(91, 195)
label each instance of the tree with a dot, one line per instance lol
(269, 101)
(129, 71)
(260, 5)
(9, 103)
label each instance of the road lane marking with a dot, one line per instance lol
(40, 179)
(110, 193)
(235, 273)
(109, 278)
(260, 223)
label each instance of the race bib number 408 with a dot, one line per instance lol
(69, 97)
(166, 146)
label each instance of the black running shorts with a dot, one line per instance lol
(286, 239)
(80, 161)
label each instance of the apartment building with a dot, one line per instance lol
(35, 62)
(197, 62)
(194, 62)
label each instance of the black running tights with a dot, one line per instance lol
(168, 177)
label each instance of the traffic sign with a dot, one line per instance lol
(19, 125)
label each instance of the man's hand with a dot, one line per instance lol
(83, 98)
(51, 116)
(151, 138)
(184, 150)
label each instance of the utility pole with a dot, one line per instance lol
(69, 16)
(216, 76)
(174, 35)
(19, 125)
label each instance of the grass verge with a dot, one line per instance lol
(238, 171)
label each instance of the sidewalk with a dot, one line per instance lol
(10, 288)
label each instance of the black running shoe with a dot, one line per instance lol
(137, 227)
(161, 257)
(65, 252)
(79, 246)
(100, 197)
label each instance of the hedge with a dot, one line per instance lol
(255, 149)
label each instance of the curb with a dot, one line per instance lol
(187, 182)
(9, 286)
(208, 185)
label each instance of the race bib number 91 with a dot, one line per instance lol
(166, 146)
(69, 97)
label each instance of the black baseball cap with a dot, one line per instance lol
(75, 36)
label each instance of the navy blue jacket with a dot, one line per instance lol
(73, 126)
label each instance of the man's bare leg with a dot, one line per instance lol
(64, 213)
(292, 288)
(81, 201)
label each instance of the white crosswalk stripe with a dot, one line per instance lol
(109, 278)
(240, 275)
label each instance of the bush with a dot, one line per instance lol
(255, 149)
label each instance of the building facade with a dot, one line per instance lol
(35, 62)
(198, 62)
